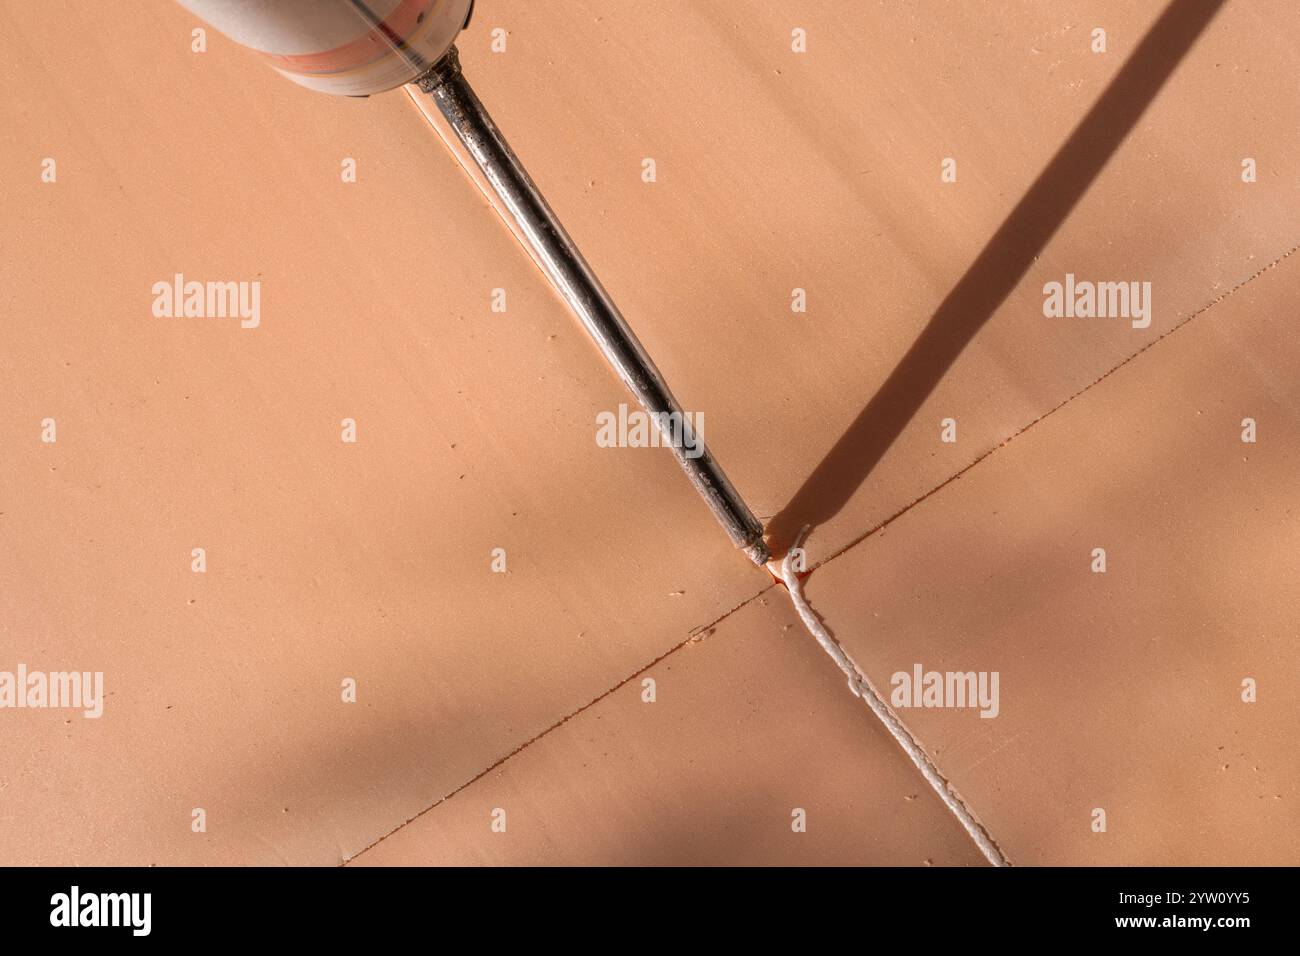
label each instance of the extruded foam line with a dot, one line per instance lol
(862, 687)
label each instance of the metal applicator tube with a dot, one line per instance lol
(560, 259)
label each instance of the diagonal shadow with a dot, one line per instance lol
(996, 271)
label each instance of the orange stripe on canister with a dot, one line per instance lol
(392, 33)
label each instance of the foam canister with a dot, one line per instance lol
(347, 47)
